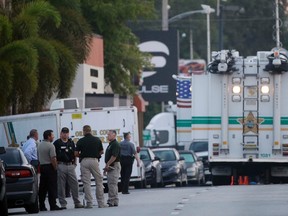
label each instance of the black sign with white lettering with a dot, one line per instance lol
(158, 84)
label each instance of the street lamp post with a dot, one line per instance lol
(165, 25)
(191, 43)
(206, 10)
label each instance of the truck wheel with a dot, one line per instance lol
(4, 206)
(216, 180)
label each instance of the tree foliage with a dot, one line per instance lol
(246, 32)
(122, 58)
(41, 46)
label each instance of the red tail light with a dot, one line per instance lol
(18, 173)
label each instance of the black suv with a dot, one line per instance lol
(3, 197)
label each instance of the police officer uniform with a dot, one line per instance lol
(66, 170)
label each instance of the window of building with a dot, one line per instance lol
(93, 72)
(94, 85)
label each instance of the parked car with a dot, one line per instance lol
(173, 166)
(21, 181)
(152, 164)
(194, 167)
(200, 147)
(3, 197)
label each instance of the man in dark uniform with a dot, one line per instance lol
(66, 160)
(128, 153)
(112, 168)
(89, 149)
(48, 171)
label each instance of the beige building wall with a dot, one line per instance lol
(90, 75)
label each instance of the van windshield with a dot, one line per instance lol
(199, 146)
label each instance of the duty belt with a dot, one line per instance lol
(65, 163)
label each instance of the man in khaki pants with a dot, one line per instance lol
(89, 149)
(113, 168)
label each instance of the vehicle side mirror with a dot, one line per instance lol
(35, 163)
(199, 159)
(181, 158)
(2, 150)
(156, 158)
(143, 157)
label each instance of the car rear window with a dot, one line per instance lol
(11, 157)
(188, 157)
(165, 155)
(199, 146)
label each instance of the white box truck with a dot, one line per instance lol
(240, 107)
(15, 128)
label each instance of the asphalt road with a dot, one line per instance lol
(248, 200)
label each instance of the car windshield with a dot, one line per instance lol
(11, 157)
(144, 155)
(165, 155)
(187, 157)
(199, 146)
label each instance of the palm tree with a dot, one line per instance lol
(72, 43)
(36, 62)
(21, 49)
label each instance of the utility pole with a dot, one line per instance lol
(278, 44)
(191, 44)
(165, 26)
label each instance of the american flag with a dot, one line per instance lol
(183, 94)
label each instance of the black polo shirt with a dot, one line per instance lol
(65, 151)
(113, 149)
(89, 146)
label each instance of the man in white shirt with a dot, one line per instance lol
(30, 147)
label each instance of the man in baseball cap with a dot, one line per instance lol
(65, 148)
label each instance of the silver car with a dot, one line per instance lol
(194, 167)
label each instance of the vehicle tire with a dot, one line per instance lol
(185, 183)
(216, 180)
(4, 206)
(220, 180)
(144, 183)
(203, 181)
(161, 183)
(32, 208)
(198, 181)
(154, 180)
(141, 184)
(154, 184)
(179, 184)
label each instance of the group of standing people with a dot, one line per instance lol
(58, 162)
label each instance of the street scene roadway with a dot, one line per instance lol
(248, 200)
